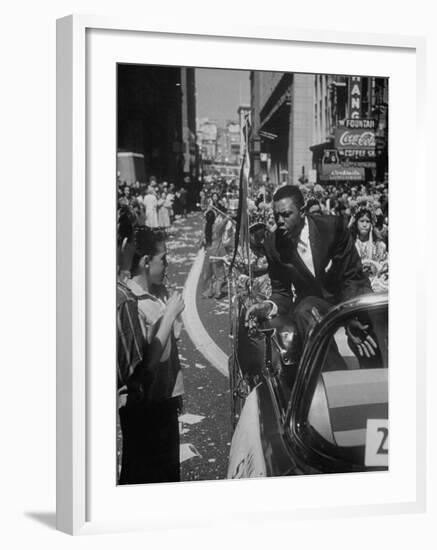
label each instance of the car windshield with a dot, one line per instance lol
(348, 414)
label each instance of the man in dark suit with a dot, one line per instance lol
(313, 265)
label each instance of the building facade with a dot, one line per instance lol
(282, 125)
(318, 128)
(350, 129)
(156, 120)
(219, 146)
(207, 139)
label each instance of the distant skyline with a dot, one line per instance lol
(220, 92)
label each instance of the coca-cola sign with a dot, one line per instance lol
(351, 138)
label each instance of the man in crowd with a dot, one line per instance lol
(313, 265)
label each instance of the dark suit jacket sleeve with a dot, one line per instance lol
(281, 294)
(281, 290)
(346, 274)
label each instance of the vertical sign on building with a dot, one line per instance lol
(354, 97)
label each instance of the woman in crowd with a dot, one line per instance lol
(163, 213)
(209, 217)
(150, 422)
(219, 247)
(203, 200)
(177, 204)
(140, 213)
(215, 199)
(170, 201)
(150, 205)
(371, 249)
(369, 246)
(265, 204)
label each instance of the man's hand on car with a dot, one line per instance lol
(361, 338)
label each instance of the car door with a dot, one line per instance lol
(260, 401)
(338, 414)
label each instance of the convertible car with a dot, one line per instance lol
(323, 412)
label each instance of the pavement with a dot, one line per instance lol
(205, 425)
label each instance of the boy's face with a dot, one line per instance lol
(158, 265)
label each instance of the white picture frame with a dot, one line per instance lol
(73, 276)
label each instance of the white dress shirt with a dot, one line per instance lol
(304, 251)
(304, 248)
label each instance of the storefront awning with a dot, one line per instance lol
(319, 150)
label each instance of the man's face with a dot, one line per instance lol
(158, 265)
(288, 217)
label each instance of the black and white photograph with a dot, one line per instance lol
(252, 274)
(220, 238)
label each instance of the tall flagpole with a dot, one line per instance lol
(242, 238)
(246, 184)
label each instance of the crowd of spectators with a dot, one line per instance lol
(348, 200)
(150, 386)
(363, 206)
(154, 205)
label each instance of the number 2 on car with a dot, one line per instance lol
(376, 443)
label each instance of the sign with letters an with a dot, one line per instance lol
(354, 97)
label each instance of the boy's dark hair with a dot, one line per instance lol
(292, 192)
(124, 225)
(146, 242)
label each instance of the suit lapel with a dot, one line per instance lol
(293, 263)
(294, 268)
(273, 249)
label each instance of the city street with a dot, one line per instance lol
(205, 422)
(299, 161)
